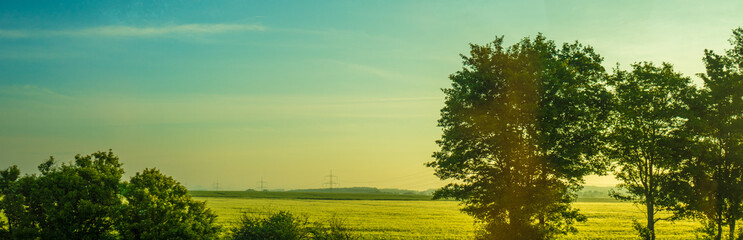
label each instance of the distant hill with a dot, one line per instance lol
(371, 190)
(594, 192)
(340, 190)
(428, 192)
(588, 194)
(309, 195)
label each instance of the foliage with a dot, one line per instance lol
(18, 224)
(521, 127)
(281, 225)
(708, 231)
(284, 225)
(71, 201)
(83, 200)
(158, 207)
(713, 187)
(642, 231)
(335, 229)
(646, 136)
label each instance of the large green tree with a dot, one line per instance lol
(158, 207)
(647, 137)
(521, 126)
(68, 201)
(85, 199)
(713, 177)
(18, 220)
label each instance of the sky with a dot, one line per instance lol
(224, 93)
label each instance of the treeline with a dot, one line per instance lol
(87, 199)
(523, 124)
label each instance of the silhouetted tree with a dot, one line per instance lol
(521, 126)
(712, 185)
(646, 135)
(158, 207)
(71, 201)
(83, 200)
(18, 224)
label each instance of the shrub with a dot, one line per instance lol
(284, 225)
(335, 229)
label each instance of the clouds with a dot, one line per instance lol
(133, 31)
(28, 91)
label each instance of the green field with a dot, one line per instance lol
(389, 216)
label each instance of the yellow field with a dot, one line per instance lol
(377, 219)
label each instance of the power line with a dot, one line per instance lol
(331, 180)
(262, 182)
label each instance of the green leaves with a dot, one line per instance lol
(521, 127)
(523, 124)
(646, 135)
(86, 199)
(710, 185)
(158, 207)
(284, 225)
(68, 201)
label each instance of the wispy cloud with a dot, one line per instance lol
(13, 34)
(132, 31)
(28, 91)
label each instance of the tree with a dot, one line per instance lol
(11, 204)
(521, 127)
(713, 177)
(71, 201)
(83, 200)
(158, 207)
(646, 136)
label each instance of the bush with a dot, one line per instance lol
(642, 231)
(284, 225)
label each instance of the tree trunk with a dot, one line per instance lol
(719, 228)
(513, 224)
(731, 224)
(651, 221)
(650, 197)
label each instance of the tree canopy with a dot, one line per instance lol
(711, 183)
(158, 207)
(646, 136)
(85, 199)
(521, 126)
(70, 201)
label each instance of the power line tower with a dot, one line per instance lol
(262, 182)
(332, 180)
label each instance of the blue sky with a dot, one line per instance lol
(231, 91)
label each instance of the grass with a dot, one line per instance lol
(371, 219)
(416, 217)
